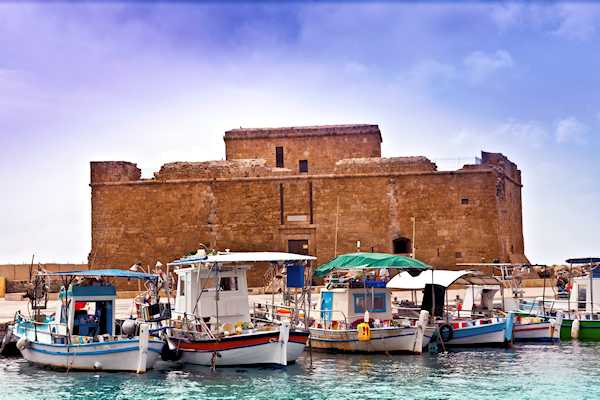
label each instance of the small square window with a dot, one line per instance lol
(458, 254)
(303, 166)
(464, 200)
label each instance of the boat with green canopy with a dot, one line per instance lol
(361, 261)
(355, 313)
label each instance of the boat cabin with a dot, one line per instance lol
(348, 305)
(88, 308)
(216, 285)
(197, 289)
(585, 294)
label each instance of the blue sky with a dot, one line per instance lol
(154, 83)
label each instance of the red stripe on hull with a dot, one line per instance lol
(226, 345)
(298, 338)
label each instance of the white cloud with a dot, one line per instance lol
(481, 65)
(507, 15)
(431, 72)
(529, 132)
(571, 130)
(578, 21)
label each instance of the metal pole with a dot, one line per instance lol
(591, 289)
(337, 218)
(544, 293)
(432, 295)
(414, 223)
(447, 309)
(570, 276)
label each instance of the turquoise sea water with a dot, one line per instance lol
(568, 370)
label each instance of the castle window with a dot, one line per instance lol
(464, 201)
(458, 254)
(279, 157)
(402, 246)
(303, 166)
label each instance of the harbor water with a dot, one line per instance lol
(568, 370)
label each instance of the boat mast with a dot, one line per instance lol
(591, 289)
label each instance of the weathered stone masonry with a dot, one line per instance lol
(248, 203)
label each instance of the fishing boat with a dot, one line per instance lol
(355, 313)
(213, 325)
(527, 326)
(82, 333)
(474, 323)
(581, 308)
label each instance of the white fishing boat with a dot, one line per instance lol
(474, 323)
(355, 313)
(82, 332)
(214, 327)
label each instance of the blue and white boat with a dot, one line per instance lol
(82, 333)
(474, 323)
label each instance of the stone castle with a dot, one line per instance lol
(320, 190)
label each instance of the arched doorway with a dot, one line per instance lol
(402, 245)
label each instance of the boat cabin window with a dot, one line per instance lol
(374, 303)
(92, 318)
(63, 313)
(581, 297)
(181, 286)
(229, 283)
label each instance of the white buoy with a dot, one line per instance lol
(143, 352)
(97, 365)
(22, 344)
(575, 329)
(555, 325)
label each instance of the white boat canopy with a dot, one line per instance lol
(404, 281)
(241, 257)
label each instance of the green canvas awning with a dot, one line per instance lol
(359, 261)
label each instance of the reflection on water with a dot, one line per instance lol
(569, 370)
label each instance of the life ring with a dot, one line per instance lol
(446, 332)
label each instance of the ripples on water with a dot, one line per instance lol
(570, 370)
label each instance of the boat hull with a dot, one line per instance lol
(121, 355)
(391, 340)
(263, 348)
(534, 332)
(589, 330)
(488, 334)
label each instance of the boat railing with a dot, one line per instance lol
(275, 311)
(294, 312)
(195, 319)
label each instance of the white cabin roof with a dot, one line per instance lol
(241, 257)
(444, 278)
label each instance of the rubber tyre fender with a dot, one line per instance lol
(446, 332)
(166, 354)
